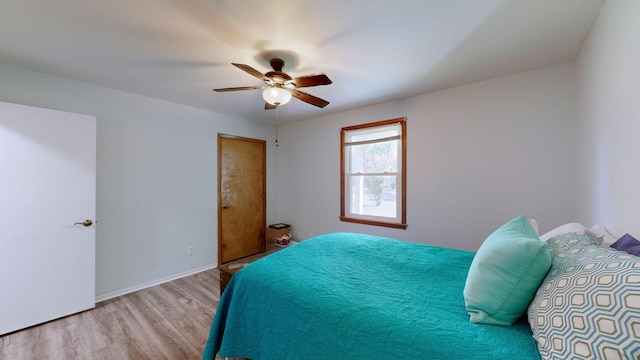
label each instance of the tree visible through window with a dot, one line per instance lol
(373, 173)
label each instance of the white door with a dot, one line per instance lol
(47, 184)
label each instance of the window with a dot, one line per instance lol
(372, 175)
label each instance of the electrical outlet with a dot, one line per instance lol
(191, 250)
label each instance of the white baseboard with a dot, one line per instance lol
(149, 284)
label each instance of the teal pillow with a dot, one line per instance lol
(506, 273)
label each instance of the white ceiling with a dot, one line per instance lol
(373, 50)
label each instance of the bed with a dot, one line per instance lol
(354, 296)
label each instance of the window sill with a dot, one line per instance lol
(374, 223)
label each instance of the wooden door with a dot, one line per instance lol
(241, 197)
(47, 184)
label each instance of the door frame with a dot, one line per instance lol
(264, 187)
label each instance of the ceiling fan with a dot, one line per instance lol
(280, 87)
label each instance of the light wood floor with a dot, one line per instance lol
(168, 321)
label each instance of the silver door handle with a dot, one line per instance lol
(85, 223)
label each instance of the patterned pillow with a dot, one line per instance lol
(588, 306)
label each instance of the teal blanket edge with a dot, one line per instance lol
(347, 295)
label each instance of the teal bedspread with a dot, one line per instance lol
(354, 296)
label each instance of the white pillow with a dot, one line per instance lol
(575, 228)
(600, 233)
(534, 225)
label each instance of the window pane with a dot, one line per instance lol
(374, 158)
(373, 196)
(379, 132)
(372, 173)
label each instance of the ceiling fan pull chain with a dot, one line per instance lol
(277, 125)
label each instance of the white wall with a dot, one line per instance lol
(478, 155)
(156, 175)
(608, 78)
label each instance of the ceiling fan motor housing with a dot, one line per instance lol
(278, 77)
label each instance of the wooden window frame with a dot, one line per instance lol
(372, 220)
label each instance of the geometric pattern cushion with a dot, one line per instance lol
(588, 306)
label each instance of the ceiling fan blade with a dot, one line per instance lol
(311, 80)
(308, 98)
(239, 88)
(268, 106)
(248, 69)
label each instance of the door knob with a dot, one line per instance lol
(226, 206)
(85, 223)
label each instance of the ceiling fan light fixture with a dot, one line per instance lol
(276, 95)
